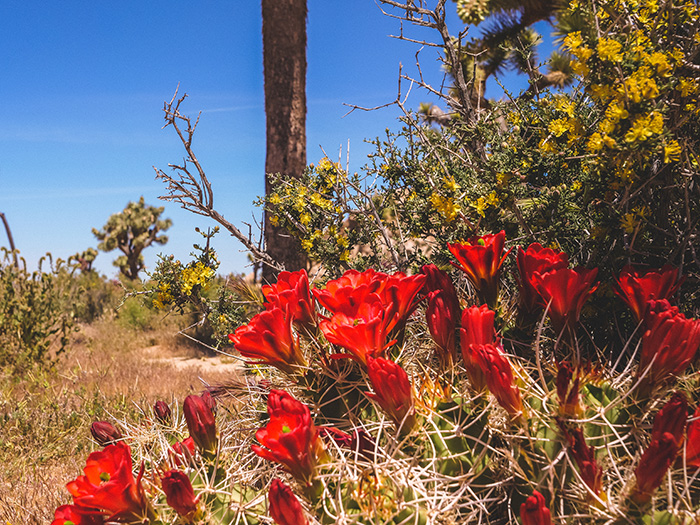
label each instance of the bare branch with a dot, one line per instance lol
(193, 191)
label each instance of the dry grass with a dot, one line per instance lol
(111, 372)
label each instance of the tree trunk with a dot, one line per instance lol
(284, 61)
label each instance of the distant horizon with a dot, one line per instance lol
(83, 94)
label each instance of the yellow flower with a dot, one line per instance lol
(602, 92)
(559, 126)
(305, 218)
(595, 143)
(274, 220)
(573, 40)
(609, 50)
(342, 241)
(687, 86)
(275, 199)
(660, 61)
(672, 151)
(445, 206)
(629, 222)
(644, 127)
(564, 104)
(451, 184)
(616, 111)
(480, 206)
(307, 244)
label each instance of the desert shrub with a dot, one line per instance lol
(34, 326)
(210, 306)
(606, 170)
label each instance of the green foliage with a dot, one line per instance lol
(607, 171)
(213, 305)
(34, 325)
(131, 231)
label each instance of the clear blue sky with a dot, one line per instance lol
(81, 96)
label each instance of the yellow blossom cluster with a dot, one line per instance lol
(164, 297)
(199, 274)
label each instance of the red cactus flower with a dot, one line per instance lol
(268, 337)
(481, 259)
(105, 433)
(392, 391)
(652, 467)
(291, 294)
(536, 259)
(671, 418)
(179, 493)
(637, 288)
(568, 392)
(109, 485)
(201, 424)
(339, 294)
(74, 515)
(499, 377)
(364, 335)
(565, 291)
(692, 442)
(396, 293)
(584, 456)
(290, 437)
(285, 508)
(442, 319)
(477, 329)
(670, 343)
(534, 511)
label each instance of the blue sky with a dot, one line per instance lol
(81, 97)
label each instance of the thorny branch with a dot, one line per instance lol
(193, 191)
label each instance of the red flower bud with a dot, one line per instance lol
(285, 508)
(671, 418)
(481, 258)
(637, 289)
(183, 450)
(290, 437)
(477, 329)
(437, 280)
(442, 319)
(692, 443)
(201, 424)
(652, 467)
(499, 377)
(179, 492)
(670, 342)
(565, 291)
(584, 456)
(392, 392)
(567, 392)
(359, 442)
(105, 433)
(162, 412)
(536, 259)
(268, 337)
(534, 511)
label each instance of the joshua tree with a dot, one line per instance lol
(284, 60)
(131, 231)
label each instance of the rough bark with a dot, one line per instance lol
(284, 61)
